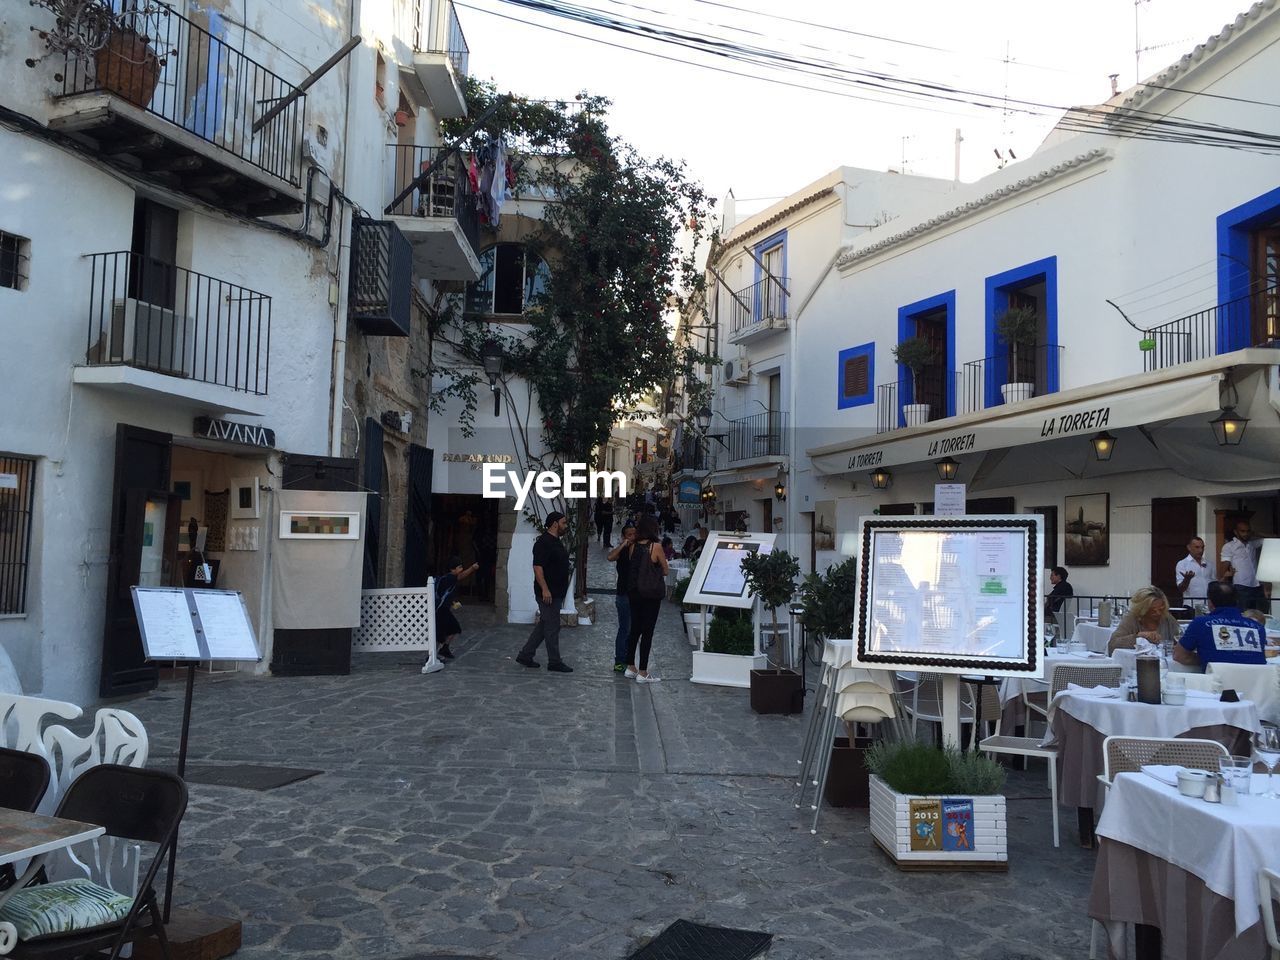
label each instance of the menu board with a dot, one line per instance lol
(718, 579)
(950, 595)
(168, 632)
(194, 625)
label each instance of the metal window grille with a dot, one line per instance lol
(381, 278)
(17, 496)
(15, 254)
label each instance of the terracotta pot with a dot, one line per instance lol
(128, 67)
(402, 118)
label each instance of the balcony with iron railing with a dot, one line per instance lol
(170, 102)
(440, 216)
(175, 323)
(761, 435)
(1252, 320)
(1035, 372)
(932, 388)
(758, 310)
(440, 57)
(691, 456)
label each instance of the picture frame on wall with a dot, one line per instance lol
(189, 486)
(319, 525)
(1087, 529)
(244, 498)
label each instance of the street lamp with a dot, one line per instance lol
(703, 419)
(491, 356)
(947, 469)
(1104, 444)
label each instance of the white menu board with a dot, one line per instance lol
(186, 624)
(227, 630)
(950, 595)
(718, 580)
(164, 617)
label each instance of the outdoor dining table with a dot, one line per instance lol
(1094, 637)
(1013, 712)
(1185, 867)
(1080, 720)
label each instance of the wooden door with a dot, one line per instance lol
(932, 327)
(373, 476)
(1173, 523)
(417, 518)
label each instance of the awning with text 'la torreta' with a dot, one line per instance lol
(1081, 412)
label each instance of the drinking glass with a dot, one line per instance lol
(1266, 745)
(1238, 773)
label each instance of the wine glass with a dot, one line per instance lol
(1266, 745)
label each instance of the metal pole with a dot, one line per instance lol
(300, 89)
(182, 772)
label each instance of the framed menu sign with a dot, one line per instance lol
(718, 580)
(179, 623)
(950, 594)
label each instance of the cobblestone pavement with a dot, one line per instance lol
(494, 811)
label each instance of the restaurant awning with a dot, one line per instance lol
(1142, 400)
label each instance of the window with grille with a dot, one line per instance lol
(857, 371)
(17, 495)
(15, 253)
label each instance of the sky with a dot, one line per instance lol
(765, 137)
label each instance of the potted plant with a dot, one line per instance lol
(728, 654)
(127, 66)
(1017, 327)
(939, 807)
(771, 579)
(915, 354)
(402, 118)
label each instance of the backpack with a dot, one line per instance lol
(644, 577)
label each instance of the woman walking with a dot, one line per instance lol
(646, 586)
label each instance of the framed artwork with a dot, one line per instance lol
(310, 525)
(189, 486)
(824, 525)
(244, 498)
(1087, 525)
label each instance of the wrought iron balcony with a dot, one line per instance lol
(445, 224)
(933, 386)
(437, 30)
(759, 308)
(440, 56)
(759, 435)
(692, 456)
(163, 318)
(1225, 327)
(982, 383)
(208, 93)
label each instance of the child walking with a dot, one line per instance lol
(447, 625)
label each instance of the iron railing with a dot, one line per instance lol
(156, 316)
(445, 194)
(934, 386)
(1197, 336)
(437, 30)
(763, 301)
(979, 382)
(17, 503)
(759, 435)
(692, 455)
(163, 63)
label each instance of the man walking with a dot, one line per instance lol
(550, 584)
(1192, 572)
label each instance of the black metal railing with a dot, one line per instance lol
(931, 387)
(759, 435)
(445, 193)
(156, 316)
(764, 300)
(163, 63)
(978, 385)
(1197, 336)
(691, 455)
(437, 30)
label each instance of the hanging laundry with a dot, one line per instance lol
(498, 185)
(473, 173)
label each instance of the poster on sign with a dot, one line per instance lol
(718, 580)
(950, 595)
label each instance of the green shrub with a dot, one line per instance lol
(678, 592)
(828, 600)
(911, 767)
(731, 632)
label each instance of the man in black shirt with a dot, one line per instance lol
(622, 603)
(550, 584)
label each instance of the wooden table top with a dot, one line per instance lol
(24, 835)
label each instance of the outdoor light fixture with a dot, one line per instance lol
(1104, 444)
(491, 356)
(881, 479)
(947, 468)
(703, 419)
(779, 491)
(1228, 427)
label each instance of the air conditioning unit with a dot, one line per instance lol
(149, 336)
(737, 372)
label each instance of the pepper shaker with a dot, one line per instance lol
(1213, 788)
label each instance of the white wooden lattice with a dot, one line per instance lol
(396, 619)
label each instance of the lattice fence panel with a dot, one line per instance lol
(392, 620)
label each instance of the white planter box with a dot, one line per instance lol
(891, 829)
(725, 669)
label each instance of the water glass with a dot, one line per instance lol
(1238, 774)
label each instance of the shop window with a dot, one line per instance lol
(856, 375)
(17, 498)
(511, 280)
(15, 254)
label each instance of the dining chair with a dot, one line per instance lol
(135, 806)
(1083, 675)
(1131, 754)
(24, 777)
(921, 699)
(1268, 893)
(1029, 747)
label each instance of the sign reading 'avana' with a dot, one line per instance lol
(249, 434)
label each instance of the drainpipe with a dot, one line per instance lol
(339, 379)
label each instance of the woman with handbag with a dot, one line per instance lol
(646, 587)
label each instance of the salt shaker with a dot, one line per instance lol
(1213, 788)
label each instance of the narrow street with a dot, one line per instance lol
(494, 811)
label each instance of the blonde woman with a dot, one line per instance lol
(1148, 618)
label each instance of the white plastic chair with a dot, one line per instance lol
(921, 699)
(1269, 891)
(1029, 747)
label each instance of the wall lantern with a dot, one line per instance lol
(1228, 427)
(947, 469)
(881, 479)
(1104, 444)
(779, 491)
(491, 357)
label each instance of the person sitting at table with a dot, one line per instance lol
(1222, 635)
(1148, 618)
(1257, 616)
(1058, 595)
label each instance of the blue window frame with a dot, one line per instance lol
(943, 306)
(999, 289)
(856, 376)
(1235, 271)
(766, 300)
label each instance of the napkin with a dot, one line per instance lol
(1165, 773)
(1201, 695)
(1146, 646)
(1098, 691)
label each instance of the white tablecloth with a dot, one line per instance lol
(1012, 687)
(1223, 845)
(1261, 684)
(1093, 636)
(1117, 717)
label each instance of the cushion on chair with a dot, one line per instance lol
(67, 906)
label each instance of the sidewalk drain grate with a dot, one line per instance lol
(695, 941)
(247, 776)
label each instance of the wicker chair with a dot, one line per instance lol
(1083, 676)
(1131, 754)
